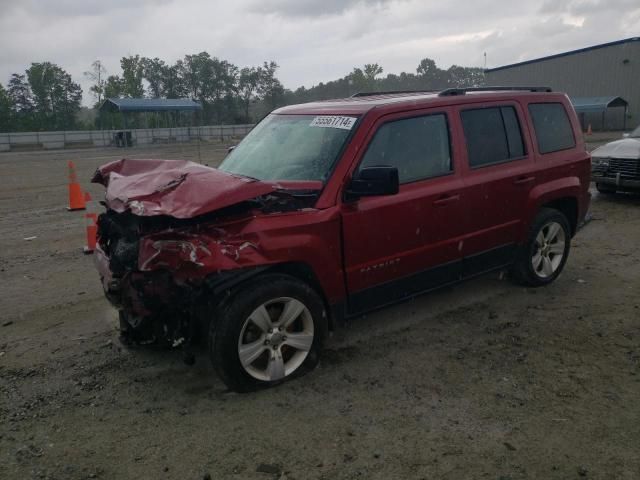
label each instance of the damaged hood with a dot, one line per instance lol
(625, 148)
(177, 188)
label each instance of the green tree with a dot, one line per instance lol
(213, 82)
(465, 76)
(67, 102)
(173, 85)
(196, 70)
(427, 68)
(43, 79)
(364, 79)
(270, 89)
(132, 75)
(113, 87)
(20, 93)
(248, 88)
(56, 97)
(153, 71)
(224, 83)
(371, 71)
(430, 77)
(5, 110)
(22, 108)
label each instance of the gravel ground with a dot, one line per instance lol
(484, 380)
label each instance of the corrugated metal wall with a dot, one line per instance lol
(608, 71)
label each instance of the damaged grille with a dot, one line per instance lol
(119, 234)
(119, 237)
(626, 167)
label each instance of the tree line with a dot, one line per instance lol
(368, 79)
(45, 97)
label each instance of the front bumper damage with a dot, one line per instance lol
(177, 236)
(166, 279)
(153, 307)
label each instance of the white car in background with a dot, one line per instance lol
(615, 166)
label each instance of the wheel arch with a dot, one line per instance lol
(562, 195)
(304, 272)
(223, 285)
(568, 206)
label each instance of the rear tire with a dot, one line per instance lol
(541, 259)
(605, 189)
(270, 330)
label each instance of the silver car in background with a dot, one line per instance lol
(615, 166)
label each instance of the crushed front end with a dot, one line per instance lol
(165, 275)
(155, 306)
(175, 238)
(154, 249)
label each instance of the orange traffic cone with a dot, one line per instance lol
(589, 131)
(92, 230)
(76, 198)
(91, 221)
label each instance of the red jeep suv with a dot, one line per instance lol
(330, 209)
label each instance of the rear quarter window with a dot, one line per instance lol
(552, 126)
(492, 135)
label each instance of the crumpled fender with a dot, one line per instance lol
(198, 254)
(194, 254)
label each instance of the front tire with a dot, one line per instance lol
(270, 330)
(541, 259)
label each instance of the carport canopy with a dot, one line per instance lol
(597, 104)
(150, 105)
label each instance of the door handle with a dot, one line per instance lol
(523, 180)
(445, 200)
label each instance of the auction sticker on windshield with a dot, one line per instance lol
(333, 121)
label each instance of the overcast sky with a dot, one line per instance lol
(311, 40)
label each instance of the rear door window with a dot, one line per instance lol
(492, 135)
(418, 147)
(552, 127)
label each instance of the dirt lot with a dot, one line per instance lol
(486, 380)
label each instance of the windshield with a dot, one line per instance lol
(636, 132)
(290, 147)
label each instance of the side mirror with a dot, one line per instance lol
(231, 149)
(626, 135)
(371, 181)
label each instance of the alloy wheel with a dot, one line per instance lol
(549, 250)
(276, 339)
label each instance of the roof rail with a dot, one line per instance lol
(390, 92)
(461, 91)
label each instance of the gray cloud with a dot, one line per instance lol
(312, 8)
(76, 8)
(312, 41)
(585, 7)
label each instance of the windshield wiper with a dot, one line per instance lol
(305, 193)
(245, 176)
